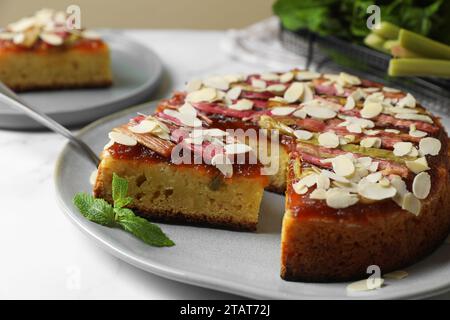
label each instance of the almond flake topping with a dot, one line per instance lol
(350, 103)
(343, 166)
(299, 188)
(411, 204)
(286, 77)
(234, 93)
(421, 185)
(418, 165)
(237, 148)
(282, 111)
(303, 134)
(370, 142)
(365, 285)
(217, 82)
(328, 140)
(402, 148)
(349, 79)
(294, 92)
(223, 164)
(205, 94)
(187, 119)
(371, 109)
(306, 75)
(414, 116)
(388, 89)
(413, 132)
(243, 104)
(300, 114)
(145, 126)
(338, 198)
(259, 84)
(193, 85)
(276, 87)
(375, 191)
(318, 194)
(269, 76)
(407, 101)
(122, 139)
(52, 39)
(430, 146)
(317, 111)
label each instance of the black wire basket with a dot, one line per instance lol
(332, 53)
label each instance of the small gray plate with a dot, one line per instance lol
(136, 74)
(242, 263)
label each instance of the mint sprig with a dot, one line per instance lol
(101, 212)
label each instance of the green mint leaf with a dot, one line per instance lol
(96, 210)
(120, 191)
(142, 229)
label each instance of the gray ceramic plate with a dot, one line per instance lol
(242, 263)
(136, 72)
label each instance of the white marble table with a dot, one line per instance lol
(44, 256)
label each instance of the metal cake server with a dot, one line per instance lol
(12, 99)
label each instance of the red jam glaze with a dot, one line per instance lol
(142, 153)
(40, 46)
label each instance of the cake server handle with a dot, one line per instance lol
(8, 97)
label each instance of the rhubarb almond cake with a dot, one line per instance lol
(40, 52)
(364, 167)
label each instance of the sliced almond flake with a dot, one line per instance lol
(411, 204)
(6, 35)
(374, 177)
(231, 78)
(52, 39)
(294, 92)
(334, 176)
(303, 134)
(371, 110)
(319, 112)
(375, 97)
(243, 104)
(402, 148)
(400, 186)
(354, 128)
(358, 94)
(370, 142)
(223, 164)
(397, 110)
(308, 94)
(217, 82)
(318, 194)
(407, 101)
(234, 93)
(413, 132)
(286, 77)
(306, 75)
(391, 90)
(365, 161)
(91, 35)
(93, 177)
(413, 153)
(237, 148)
(188, 109)
(396, 275)
(371, 132)
(350, 103)
(309, 180)
(371, 89)
(430, 146)
(108, 145)
(300, 114)
(414, 116)
(421, 185)
(122, 139)
(214, 132)
(384, 182)
(375, 191)
(365, 285)
(373, 166)
(269, 76)
(145, 126)
(276, 87)
(349, 79)
(418, 165)
(282, 111)
(19, 38)
(339, 89)
(22, 25)
(343, 166)
(328, 140)
(392, 131)
(339, 199)
(299, 188)
(259, 84)
(323, 181)
(193, 85)
(205, 94)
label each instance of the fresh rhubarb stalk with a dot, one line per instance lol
(375, 42)
(387, 30)
(423, 45)
(400, 52)
(419, 67)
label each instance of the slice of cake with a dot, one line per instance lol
(39, 52)
(364, 167)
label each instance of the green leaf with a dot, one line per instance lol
(120, 192)
(142, 229)
(96, 210)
